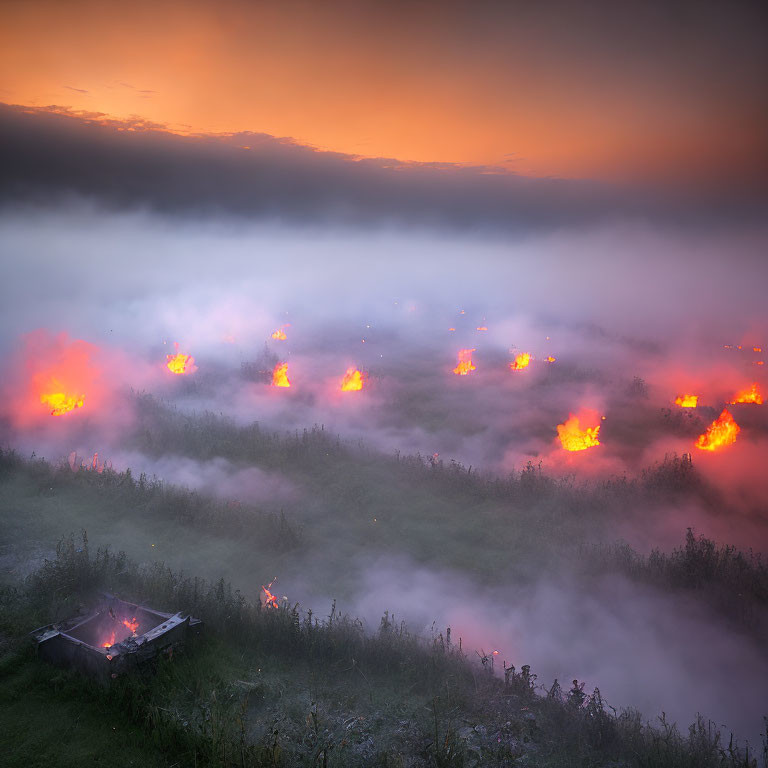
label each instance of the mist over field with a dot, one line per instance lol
(627, 314)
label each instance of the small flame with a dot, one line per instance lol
(109, 643)
(482, 327)
(61, 403)
(132, 624)
(751, 395)
(550, 359)
(687, 400)
(573, 438)
(721, 432)
(757, 349)
(280, 376)
(179, 363)
(522, 360)
(270, 601)
(352, 381)
(279, 334)
(465, 364)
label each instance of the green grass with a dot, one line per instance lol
(266, 687)
(281, 688)
(50, 718)
(356, 503)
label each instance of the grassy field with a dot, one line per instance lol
(280, 687)
(360, 505)
(274, 687)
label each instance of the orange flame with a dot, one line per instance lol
(751, 395)
(573, 438)
(270, 601)
(109, 643)
(179, 363)
(352, 381)
(482, 327)
(279, 334)
(465, 362)
(757, 349)
(61, 375)
(687, 400)
(61, 403)
(721, 432)
(550, 359)
(522, 360)
(280, 376)
(132, 624)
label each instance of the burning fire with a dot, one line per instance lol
(60, 375)
(109, 643)
(550, 359)
(751, 395)
(61, 403)
(179, 363)
(721, 432)
(279, 334)
(522, 360)
(93, 464)
(573, 438)
(270, 601)
(465, 364)
(352, 381)
(687, 400)
(280, 376)
(132, 624)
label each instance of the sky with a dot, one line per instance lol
(646, 92)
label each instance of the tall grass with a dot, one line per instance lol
(198, 708)
(150, 497)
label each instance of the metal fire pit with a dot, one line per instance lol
(113, 638)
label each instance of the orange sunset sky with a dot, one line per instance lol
(571, 89)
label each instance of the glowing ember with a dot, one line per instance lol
(757, 349)
(352, 381)
(721, 432)
(270, 601)
(109, 643)
(61, 403)
(279, 334)
(280, 376)
(522, 360)
(687, 400)
(550, 359)
(179, 363)
(751, 395)
(132, 624)
(573, 438)
(482, 327)
(465, 362)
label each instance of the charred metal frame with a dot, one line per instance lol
(77, 642)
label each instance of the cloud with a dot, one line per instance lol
(49, 153)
